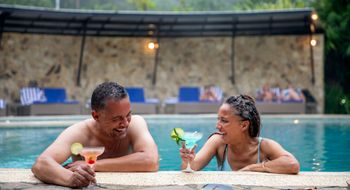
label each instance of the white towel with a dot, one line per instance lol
(29, 95)
(2, 104)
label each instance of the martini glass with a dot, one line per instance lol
(90, 154)
(191, 139)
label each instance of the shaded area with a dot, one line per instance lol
(155, 24)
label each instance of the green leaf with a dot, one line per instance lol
(347, 52)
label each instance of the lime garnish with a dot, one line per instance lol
(76, 148)
(177, 134)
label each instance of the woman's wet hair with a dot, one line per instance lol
(107, 91)
(244, 106)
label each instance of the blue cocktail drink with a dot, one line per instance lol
(191, 139)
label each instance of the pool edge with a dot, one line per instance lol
(166, 178)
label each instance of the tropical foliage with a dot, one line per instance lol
(335, 17)
(166, 5)
(271, 4)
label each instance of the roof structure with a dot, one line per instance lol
(157, 25)
(154, 24)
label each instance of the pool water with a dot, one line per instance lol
(319, 143)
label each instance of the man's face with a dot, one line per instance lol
(115, 118)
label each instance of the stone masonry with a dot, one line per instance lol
(52, 61)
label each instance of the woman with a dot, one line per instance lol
(237, 145)
(209, 94)
(292, 94)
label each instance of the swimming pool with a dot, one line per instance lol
(320, 143)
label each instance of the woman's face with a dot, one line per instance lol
(228, 123)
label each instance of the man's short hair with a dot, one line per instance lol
(107, 91)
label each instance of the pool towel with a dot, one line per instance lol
(2, 104)
(29, 95)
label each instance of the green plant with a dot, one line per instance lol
(335, 19)
(336, 100)
(38, 3)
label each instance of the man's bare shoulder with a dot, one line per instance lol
(81, 125)
(138, 121)
(137, 118)
(138, 128)
(79, 131)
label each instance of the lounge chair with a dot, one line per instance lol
(188, 102)
(48, 101)
(277, 105)
(141, 105)
(310, 101)
(2, 107)
(284, 107)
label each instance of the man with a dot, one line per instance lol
(128, 144)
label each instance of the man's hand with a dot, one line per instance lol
(82, 175)
(74, 165)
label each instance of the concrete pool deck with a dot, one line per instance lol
(24, 179)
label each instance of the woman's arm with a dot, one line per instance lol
(202, 158)
(278, 160)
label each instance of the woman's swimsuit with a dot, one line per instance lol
(226, 166)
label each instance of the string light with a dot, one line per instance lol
(314, 16)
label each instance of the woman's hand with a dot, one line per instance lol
(260, 167)
(187, 155)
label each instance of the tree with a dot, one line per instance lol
(143, 5)
(335, 17)
(37, 3)
(271, 4)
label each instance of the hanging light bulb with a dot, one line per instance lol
(313, 42)
(314, 16)
(153, 45)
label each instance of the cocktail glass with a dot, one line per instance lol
(90, 154)
(191, 139)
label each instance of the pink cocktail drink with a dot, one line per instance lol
(91, 153)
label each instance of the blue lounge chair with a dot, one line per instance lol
(188, 102)
(139, 103)
(189, 94)
(52, 101)
(56, 95)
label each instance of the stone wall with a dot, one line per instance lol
(52, 61)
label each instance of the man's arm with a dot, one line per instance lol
(144, 156)
(280, 161)
(47, 167)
